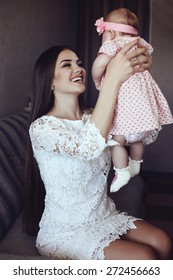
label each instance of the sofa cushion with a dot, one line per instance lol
(13, 134)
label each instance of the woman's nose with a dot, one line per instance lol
(77, 69)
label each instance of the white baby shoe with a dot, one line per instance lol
(121, 179)
(134, 166)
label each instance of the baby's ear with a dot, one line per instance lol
(112, 34)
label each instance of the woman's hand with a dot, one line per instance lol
(126, 63)
(146, 65)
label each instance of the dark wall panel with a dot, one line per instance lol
(26, 29)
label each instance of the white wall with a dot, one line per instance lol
(159, 155)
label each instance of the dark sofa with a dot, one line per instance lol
(14, 244)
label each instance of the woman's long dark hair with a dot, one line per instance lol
(41, 103)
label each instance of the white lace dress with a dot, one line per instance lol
(79, 219)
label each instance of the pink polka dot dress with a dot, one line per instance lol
(141, 107)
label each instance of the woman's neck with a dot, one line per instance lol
(66, 108)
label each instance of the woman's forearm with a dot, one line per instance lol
(117, 71)
(103, 112)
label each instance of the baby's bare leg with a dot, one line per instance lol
(135, 159)
(136, 150)
(119, 153)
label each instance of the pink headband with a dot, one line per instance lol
(104, 25)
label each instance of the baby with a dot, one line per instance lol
(141, 108)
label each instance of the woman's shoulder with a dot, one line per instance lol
(45, 121)
(49, 120)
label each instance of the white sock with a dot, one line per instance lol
(122, 177)
(134, 166)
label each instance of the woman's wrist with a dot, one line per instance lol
(110, 86)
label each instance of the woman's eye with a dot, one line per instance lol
(66, 65)
(80, 64)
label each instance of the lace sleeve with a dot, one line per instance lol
(55, 136)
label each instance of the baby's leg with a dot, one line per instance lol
(136, 150)
(119, 153)
(135, 159)
(120, 162)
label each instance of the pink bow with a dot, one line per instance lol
(100, 25)
(103, 25)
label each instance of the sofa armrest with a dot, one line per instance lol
(13, 135)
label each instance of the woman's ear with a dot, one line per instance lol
(52, 87)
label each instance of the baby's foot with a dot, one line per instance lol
(134, 166)
(122, 178)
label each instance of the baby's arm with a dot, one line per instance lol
(99, 67)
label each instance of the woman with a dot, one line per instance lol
(79, 221)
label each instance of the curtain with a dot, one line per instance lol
(88, 41)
